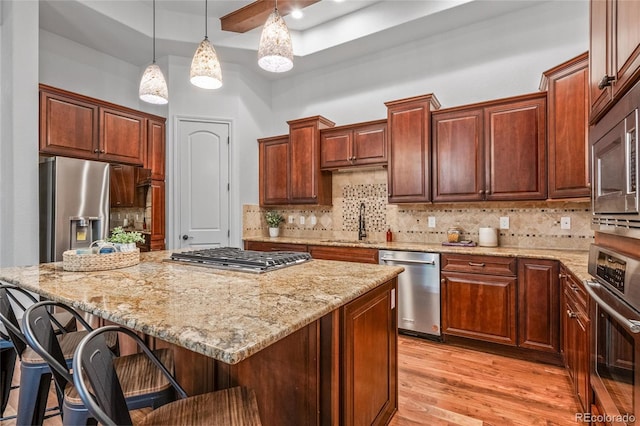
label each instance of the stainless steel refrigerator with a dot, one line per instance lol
(74, 205)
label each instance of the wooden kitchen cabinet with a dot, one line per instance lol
(68, 125)
(409, 148)
(307, 183)
(479, 298)
(122, 185)
(77, 126)
(156, 148)
(567, 87)
(615, 52)
(157, 228)
(362, 144)
(267, 246)
(538, 305)
(576, 335)
(346, 254)
(369, 363)
(491, 151)
(273, 171)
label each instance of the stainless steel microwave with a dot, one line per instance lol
(615, 191)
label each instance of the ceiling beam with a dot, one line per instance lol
(255, 14)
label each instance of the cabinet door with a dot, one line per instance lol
(122, 185)
(274, 170)
(538, 305)
(599, 57)
(369, 363)
(308, 185)
(68, 126)
(347, 254)
(568, 141)
(408, 171)
(458, 157)
(515, 146)
(481, 307)
(582, 357)
(626, 48)
(157, 228)
(370, 144)
(122, 137)
(156, 148)
(335, 149)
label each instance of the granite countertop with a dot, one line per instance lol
(574, 260)
(226, 315)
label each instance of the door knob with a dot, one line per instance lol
(185, 237)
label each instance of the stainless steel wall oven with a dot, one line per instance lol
(615, 329)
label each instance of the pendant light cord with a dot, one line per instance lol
(154, 31)
(206, 15)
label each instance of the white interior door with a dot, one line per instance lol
(204, 183)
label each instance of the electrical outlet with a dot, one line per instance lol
(313, 220)
(565, 222)
(504, 222)
(431, 222)
(292, 218)
(301, 220)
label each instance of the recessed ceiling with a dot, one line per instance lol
(329, 32)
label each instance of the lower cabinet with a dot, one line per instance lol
(347, 254)
(502, 300)
(267, 246)
(576, 336)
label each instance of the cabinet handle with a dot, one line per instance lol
(442, 280)
(574, 288)
(606, 82)
(562, 276)
(481, 265)
(571, 314)
(102, 151)
(95, 151)
(481, 192)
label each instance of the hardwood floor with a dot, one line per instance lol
(446, 385)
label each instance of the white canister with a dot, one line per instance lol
(488, 237)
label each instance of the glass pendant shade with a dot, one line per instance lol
(205, 67)
(153, 86)
(275, 52)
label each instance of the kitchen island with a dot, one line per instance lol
(317, 341)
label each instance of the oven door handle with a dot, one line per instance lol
(632, 325)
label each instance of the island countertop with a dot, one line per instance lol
(226, 315)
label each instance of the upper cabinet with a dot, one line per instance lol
(567, 88)
(409, 148)
(74, 125)
(477, 149)
(156, 148)
(274, 170)
(363, 144)
(614, 52)
(307, 183)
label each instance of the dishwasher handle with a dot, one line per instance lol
(420, 262)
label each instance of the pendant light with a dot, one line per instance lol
(205, 66)
(153, 86)
(275, 52)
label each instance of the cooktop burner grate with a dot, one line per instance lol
(241, 260)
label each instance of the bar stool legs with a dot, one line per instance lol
(35, 383)
(7, 365)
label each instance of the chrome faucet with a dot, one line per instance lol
(362, 233)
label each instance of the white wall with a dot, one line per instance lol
(496, 58)
(19, 134)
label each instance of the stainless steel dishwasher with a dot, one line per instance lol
(418, 291)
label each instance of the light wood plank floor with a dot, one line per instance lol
(445, 385)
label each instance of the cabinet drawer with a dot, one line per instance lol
(347, 254)
(265, 246)
(574, 287)
(491, 265)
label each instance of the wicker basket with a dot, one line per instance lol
(71, 261)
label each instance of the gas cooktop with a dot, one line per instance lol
(241, 260)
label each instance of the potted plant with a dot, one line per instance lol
(274, 219)
(125, 241)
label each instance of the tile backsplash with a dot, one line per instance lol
(531, 223)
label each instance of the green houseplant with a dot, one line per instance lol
(125, 241)
(274, 219)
